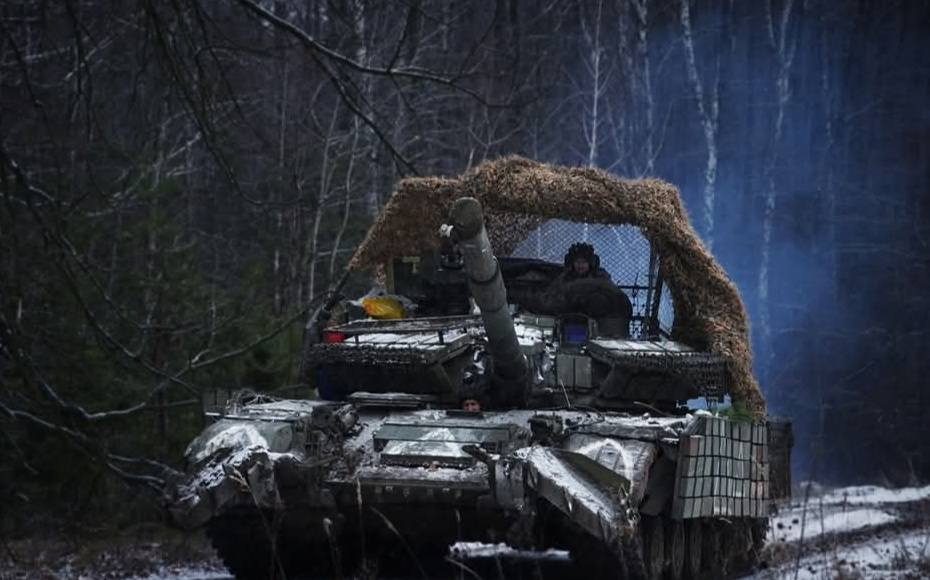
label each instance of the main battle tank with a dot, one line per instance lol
(578, 446)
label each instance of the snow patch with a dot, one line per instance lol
(787, 527)
(872, 494)
(469, 550)
(852, 532)
(904, 555)
(186, 573)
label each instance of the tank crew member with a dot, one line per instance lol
(471, 405)
(582, 262)
(471, 393)
(585, 287)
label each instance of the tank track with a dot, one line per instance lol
(660, 551)
(727, 549)
(256, 546)
(244, 546)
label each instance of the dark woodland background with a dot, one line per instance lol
(180, 181)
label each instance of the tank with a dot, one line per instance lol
(516, 415)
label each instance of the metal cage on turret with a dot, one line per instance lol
(624, 253)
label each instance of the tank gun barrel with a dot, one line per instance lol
(487, 288)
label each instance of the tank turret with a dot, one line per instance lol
(510, 366)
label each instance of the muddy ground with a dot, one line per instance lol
(843, 534)
(848, 533)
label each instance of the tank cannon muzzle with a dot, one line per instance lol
(486, 284)
(467, 218)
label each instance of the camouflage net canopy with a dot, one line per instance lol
(518, 195)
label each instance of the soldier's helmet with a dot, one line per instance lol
(582, 250)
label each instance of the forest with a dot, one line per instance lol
(180, 183)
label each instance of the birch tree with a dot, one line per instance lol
(707, 98)
(598, 71)
(643, 87)
(783, 44)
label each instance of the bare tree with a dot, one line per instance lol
(783, 45)
(642, 87)
(598, 70)
(707, 99)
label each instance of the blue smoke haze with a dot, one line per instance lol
(849, 263)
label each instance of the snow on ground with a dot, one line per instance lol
(186, 573)
(840, 511)
(469, 550)
(849, 533)
(896, 555)
(872, 494)
(791, 526)
(852, 532)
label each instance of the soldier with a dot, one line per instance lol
(471, 405)
(585, 287)
(471, 392)
(582, 262)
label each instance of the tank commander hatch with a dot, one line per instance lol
(584, 287)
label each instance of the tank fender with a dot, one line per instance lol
(258, 463)
(631, 459)
(588, 493)
(248, 473)
(228, 436)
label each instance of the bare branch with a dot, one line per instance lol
(320, 50)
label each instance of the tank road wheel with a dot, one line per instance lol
(591, 558)
(741, 543)
(714, 560)
(759, 528)
(674, 550)
(737, 542)
(653, 547)
(632, 564)
(244, 546)
(694, 545)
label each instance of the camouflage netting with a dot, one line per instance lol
(709, 313)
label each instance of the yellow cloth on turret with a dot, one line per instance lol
(384, 307)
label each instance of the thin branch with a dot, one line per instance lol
(261, 340)
(319, 49)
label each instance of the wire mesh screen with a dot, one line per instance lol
(624, 253)
(666, 310)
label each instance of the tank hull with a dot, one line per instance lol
(320, 489)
